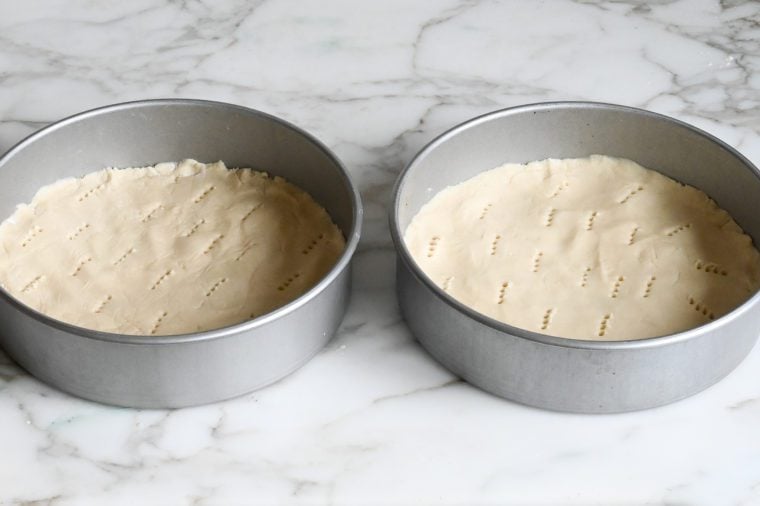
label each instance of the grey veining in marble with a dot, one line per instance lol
(372, 419)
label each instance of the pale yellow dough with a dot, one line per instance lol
(169, 249)
(596, 248)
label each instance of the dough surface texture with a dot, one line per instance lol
(164, 250)
(596, 248)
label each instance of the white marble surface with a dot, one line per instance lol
(372, 419)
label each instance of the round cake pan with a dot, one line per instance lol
(558, 373)
(188, 369)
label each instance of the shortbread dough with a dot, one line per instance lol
(595, 248)
(170, 249)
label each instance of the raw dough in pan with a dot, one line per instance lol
(170, 249)
(596, 248)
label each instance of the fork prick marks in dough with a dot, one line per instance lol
(242, 253)
(559, 189)
(616, 287)
(313, 244)
(590, 220)
(124, 256)
(213, 244)
(549, 218)
(630, 194)
(216, 287)
(547, 319)
(152, 213)
(102, 304)
(502, 292)
(158, 321)
(537, 261)
(710, 268)
(485, 210)
(584, 277)
(648, 287)
(162, 278)
(447, 283)
(432, 245)
(678, 229)
(201, 196)
(701, 307)
(32, 284)
(249, 213)
(34, 232)
(81, 265)
(288, 282)
(75, 233)
(495, 244)
(632, 235)
(90, 192)
(194, 228)
(603, 324)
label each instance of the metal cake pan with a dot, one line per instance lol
(566, 374)
(189, 369)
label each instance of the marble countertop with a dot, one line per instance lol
(373, 419)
